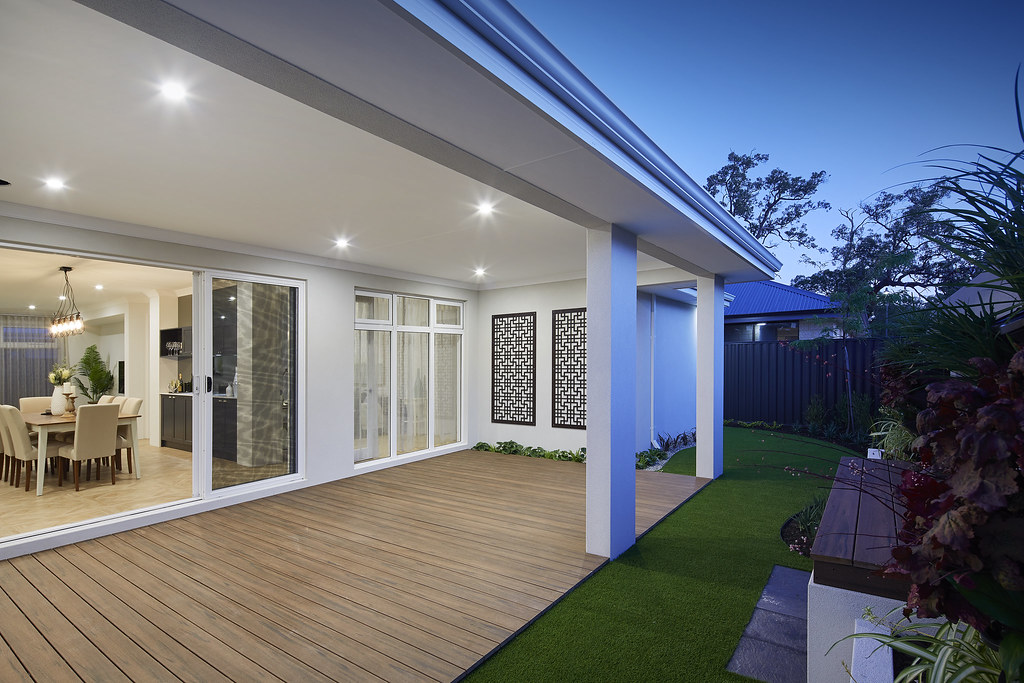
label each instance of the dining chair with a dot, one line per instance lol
(15, 436)
(131, 406)
(95, 438)
(34, 404)
(105, 398)
(8, 452)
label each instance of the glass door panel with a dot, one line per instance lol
(372, 395)
(413, 391)
(254, 381)
(447, 388)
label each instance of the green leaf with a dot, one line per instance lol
(1011, 655)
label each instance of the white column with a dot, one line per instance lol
(710, 374)
(611, 391)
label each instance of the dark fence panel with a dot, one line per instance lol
(774, 381)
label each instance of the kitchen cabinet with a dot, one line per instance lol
(176, 421)
(225, 428)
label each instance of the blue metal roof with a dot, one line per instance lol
(766, 298)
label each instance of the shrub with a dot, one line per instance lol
(645, 459)
(816, 415)
(962, 541)
(510, 447)
(483, 446)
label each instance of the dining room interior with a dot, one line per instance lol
(138, 318)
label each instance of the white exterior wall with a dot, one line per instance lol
(812, 328)
(675, 359)
(832, 614)
(645, 380)
(673, 381)
(326, 391)
(543, 299)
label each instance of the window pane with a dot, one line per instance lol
(372, 395)
(739, 332)
(449, 314)
(370, 307)
(413, 312)
(413, 360)
(447, 388)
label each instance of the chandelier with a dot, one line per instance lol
(67, 320)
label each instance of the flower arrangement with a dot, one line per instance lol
(61, 373)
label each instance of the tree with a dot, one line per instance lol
(890, 253)
(771, 206)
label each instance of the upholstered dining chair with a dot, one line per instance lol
(34, 404)
(95, 438)
(131, 406)
(15, 437)
(106, 398)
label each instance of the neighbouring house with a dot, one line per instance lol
(771, 311)
(366, 233)
(985, 289)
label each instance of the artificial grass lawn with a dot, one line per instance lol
(674, 606)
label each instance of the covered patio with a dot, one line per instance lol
(414, 572)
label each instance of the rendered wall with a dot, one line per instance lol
(832, 614)
(326, 389)
(673, 379)
(675, 357)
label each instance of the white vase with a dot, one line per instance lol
(58, 403)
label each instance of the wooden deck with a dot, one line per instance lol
(411, 573)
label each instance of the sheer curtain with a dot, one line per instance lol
(27, 353)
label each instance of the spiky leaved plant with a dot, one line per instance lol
(94, 368)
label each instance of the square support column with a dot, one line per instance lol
(710, 375)
(611, 391)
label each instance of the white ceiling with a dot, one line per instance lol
(32, 279)
(241, 162)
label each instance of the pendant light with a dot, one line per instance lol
(67, 320)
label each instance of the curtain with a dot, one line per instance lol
(27, 353)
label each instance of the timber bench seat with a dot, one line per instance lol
(859, 528)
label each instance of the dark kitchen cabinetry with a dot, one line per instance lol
(176, 342)
(225, 428)
(176, 421)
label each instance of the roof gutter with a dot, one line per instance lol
(502, 27)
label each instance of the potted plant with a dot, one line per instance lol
(94, 368)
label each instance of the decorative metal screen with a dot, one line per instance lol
(569, 368)
(514, 368)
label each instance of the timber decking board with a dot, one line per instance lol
(408, 573)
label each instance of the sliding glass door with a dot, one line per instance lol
(251, 380)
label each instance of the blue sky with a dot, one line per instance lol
(862, 90)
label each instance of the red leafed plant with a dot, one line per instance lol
(962, 541)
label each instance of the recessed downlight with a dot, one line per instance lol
(54, 183)
(479, 272)
(173, 91)
(341, 242)
(99, 286)
(485, 208)
(31, 307)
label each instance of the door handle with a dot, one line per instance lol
(209, 384)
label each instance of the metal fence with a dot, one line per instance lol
(774, 381)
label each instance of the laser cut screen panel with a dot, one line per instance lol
(569, 368)
(514, 368)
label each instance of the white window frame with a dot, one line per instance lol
(445, 302)
(431, 329)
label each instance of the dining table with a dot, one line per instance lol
(45, 425)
